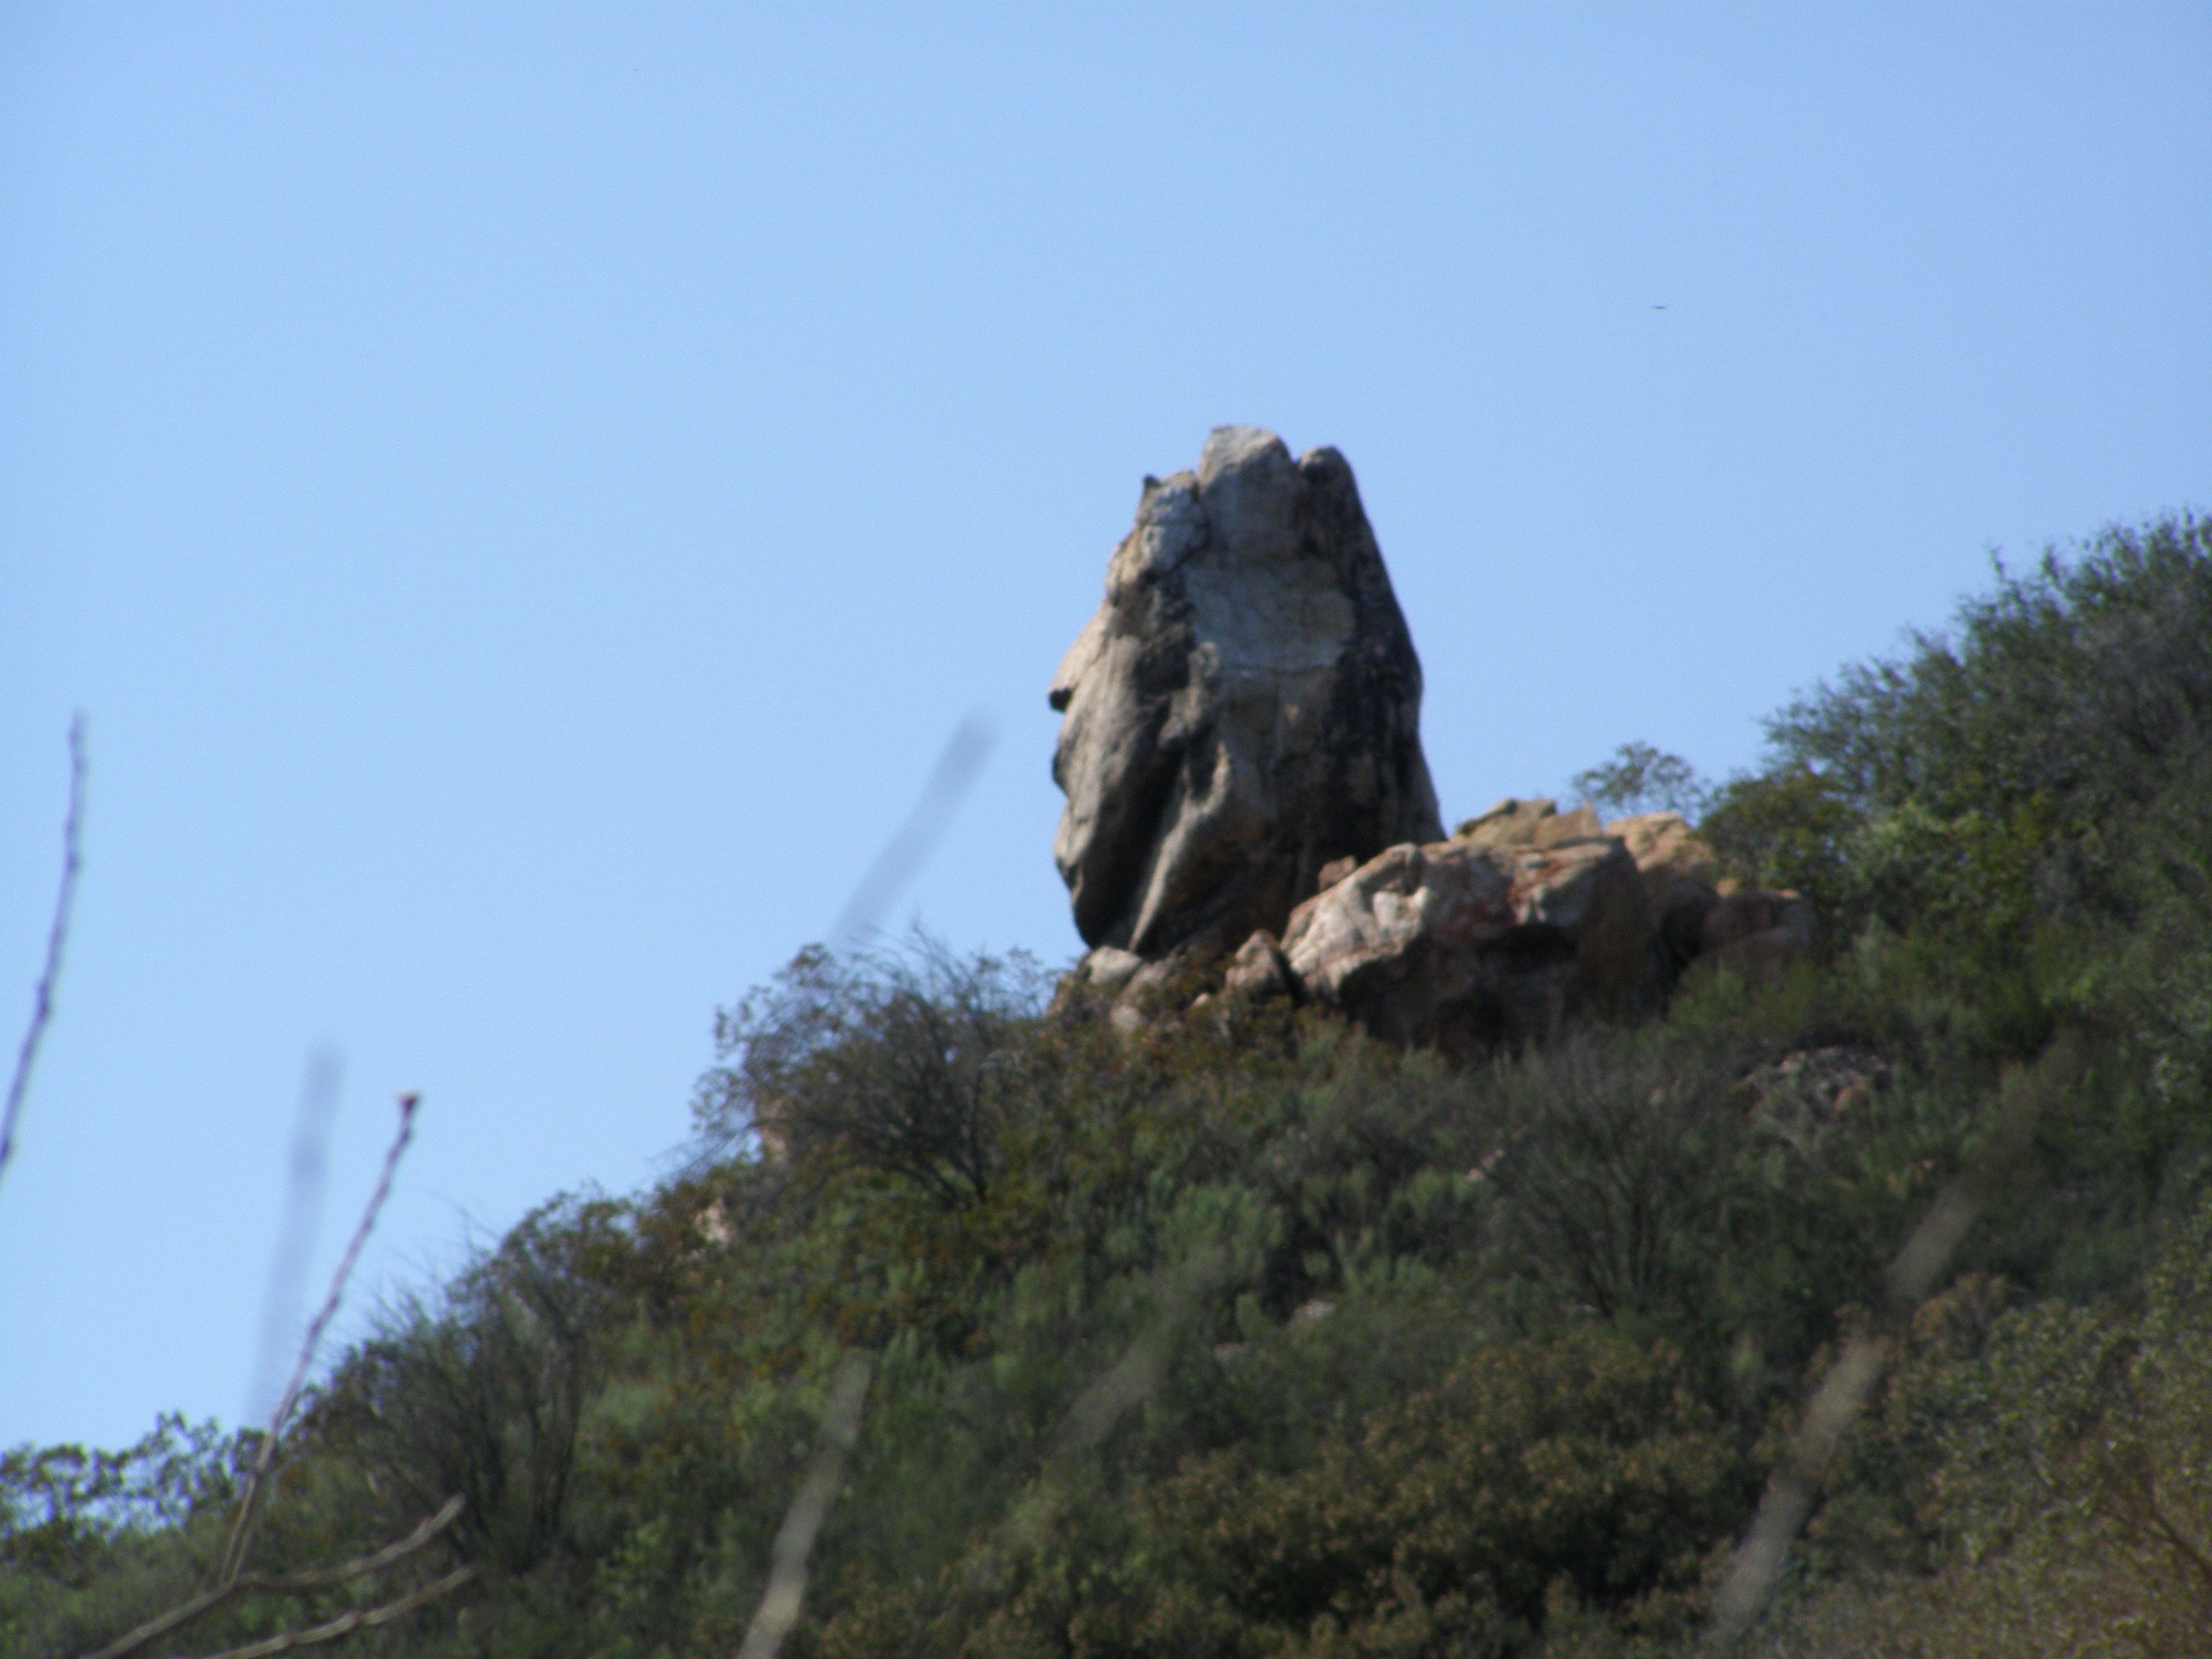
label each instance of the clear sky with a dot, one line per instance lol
(524, 495)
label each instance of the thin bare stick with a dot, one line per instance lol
(910, 849)
(1134, 1377)
(298, 1583)
(2024, 1094)
(794, 1540)
(42, 1003)
(249, 1506)
(1796, 1486)
(346, 1623)
(284, 1296)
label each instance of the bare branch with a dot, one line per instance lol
(42, 1004)
(1135, 1377)
(299, 1583)
(2024, 1096)
(1790, 1494)
(284, 1295)
(347, 1624)
(794, 1540)
(249, 1506)
(1796, 1486)
(908, 849)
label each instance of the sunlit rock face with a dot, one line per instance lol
(1243, 709)
(1462, 947)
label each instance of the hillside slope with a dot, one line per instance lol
(1249, 1336)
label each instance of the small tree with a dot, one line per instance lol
(1640, 778)
(909, 1064)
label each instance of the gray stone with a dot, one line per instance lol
(1108, 971)
(1258, 970)
(1243, 709)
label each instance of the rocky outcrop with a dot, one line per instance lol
(1243, 710)
(1514, 823)
(1681, 875)
(1705, 919)
(1525, 919)
(1249, 814)
(1459, 947)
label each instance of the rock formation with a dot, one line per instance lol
(1526, 918)
(1457, 946)
(1242, 710)
(1248, 808)
(1681, 877)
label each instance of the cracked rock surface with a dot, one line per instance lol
(1243, 709)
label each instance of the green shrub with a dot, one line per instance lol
(1250, 1336)
(2050, 1469)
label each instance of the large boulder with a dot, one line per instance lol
(1243, 709)
(1706, 920)
(1680, 873)
(1461, 947)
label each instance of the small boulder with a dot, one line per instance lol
(1335, 871)
(1588, 891)
(1107, 970)
(1258, 970)
(1537, 823)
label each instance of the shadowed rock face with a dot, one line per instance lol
(1243, 709)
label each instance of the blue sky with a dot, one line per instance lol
(523, 495)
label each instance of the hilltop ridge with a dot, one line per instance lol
(1262, 1327)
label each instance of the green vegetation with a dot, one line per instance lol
(1253, 1338)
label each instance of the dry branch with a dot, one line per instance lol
(42, 1003)
(298, 1583)
(794, 1540)
(233, 1581)
(1913, 1274)
(348, 1623)
(249, 1506)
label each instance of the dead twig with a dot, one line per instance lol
(1794, 1486)
(1135, 1377)
(794, 1540)
(298, 1583)
(284, 1294)
(910, 849)
(232, 1580)
(42, 1003)
(348, 1623)
(249, 1506)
